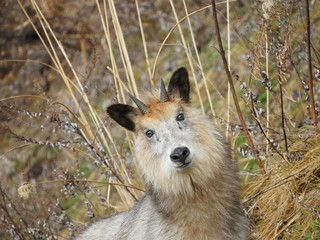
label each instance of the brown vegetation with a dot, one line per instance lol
(63, 62)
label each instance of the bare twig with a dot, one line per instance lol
(229, 63)
(282, 117)
(8, 217)
(264, 133)
(87, 181)
(312, 107)
(234, 95)
(268, 97)
(316, 53)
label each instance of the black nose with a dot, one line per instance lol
(180, 154)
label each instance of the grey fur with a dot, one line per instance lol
(198, 201)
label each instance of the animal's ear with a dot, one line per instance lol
(179, 85)
(123, 114)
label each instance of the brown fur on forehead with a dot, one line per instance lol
(152, 97)
(157, 109)
(160, 111)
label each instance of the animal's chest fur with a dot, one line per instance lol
(196, 217)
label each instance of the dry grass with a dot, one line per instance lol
(75, 165)
(284, 204)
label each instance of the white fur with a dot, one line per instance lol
(201, 201)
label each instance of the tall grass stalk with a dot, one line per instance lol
(267, 100)
(94, 124)
(144, 43)
(169, 34)
(123, 48)
(234, 95)
(312, 103)
(114, 67)
(188, 53)
(198, 60)
(54, 57)
(97, 161)
(229, 64)
(119, 84)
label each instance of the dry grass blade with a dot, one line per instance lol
(229, 64)
(95, 120)
(172, 29)
(63, 62)
(280, 199)
(186, 49)
(198, 60)
(144, 43)
(123, 49)
(15, 148)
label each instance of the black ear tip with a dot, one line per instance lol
(181, 74)
(119, 108)
(122, 114)
(179, 84)
(112, 109)
(182, 70)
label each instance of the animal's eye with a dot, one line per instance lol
(149, 133)
(180, 117)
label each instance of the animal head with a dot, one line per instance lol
(175, 144)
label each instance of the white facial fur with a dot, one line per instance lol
(153, 153)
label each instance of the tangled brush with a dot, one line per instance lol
(285, 203)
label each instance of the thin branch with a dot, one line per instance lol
(86, 181)
(313, 108)
(171, 30)
(282, 117)
(316, 53)
(264, 133)
(7, 215)
(234, 95)
(268, 97)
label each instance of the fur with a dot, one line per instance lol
(199, 199)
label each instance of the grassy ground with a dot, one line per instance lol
(63, 163)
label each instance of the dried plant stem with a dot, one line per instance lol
(268, 101)
(283, 117)
(276, 184)
(74, 86)
(114, 67)
(87, 181)
(264, 133)
(6, 214)
(123, 48)
(12, 205)
(119, 85)
(312, 107)
(171, 30)
(54, 56)
(198, 59)
(316, 53)
(168, 35)
(31, 60)
(229, 64)
(186, 48)
(15, 148)
(234, 95)
(144, 42)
